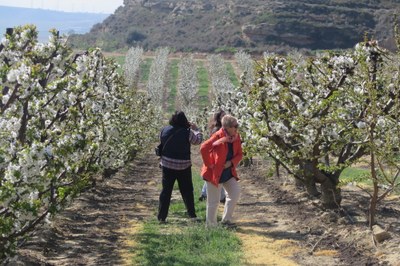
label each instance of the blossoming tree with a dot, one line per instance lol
(307, 114)
(379, 72)
(133, 59)
(188, 87)
(64, 117)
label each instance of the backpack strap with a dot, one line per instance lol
(165, 144)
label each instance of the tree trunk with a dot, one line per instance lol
(299, 184)
(312, 188)
(310, 181)
(331, 195)
(372, 207)
(277, 168)
(309, 185)
(374, 197)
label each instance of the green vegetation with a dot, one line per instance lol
(120, 60)
(225, 49)
(352, 174)
(181, 242)
(232, 75)
(361, 177)
(267, 17)
(186, 245)
(145, 70)
(173, 81)
(202, 75)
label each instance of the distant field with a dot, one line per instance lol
(173, 76)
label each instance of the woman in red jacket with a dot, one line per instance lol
(221, 154)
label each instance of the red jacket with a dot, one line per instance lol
(214, 157)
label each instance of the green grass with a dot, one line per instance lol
(232, 75)
(361, 177)
(180, 242)
(120, 60)
(191, 245)
(202, 75)
(145, 70)
(173, 82)
(352, 174)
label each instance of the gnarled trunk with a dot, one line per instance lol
(312, 188)
(331, 195)
(309, 177)
(309, 185)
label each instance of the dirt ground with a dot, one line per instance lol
(277, 223)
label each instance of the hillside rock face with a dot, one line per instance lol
(254, 25)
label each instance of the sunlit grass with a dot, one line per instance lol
(145, 70)
(232, 75)
(355, 175)
(202, 75)
(362, 177)
(120, 60)
(186, 245)
(181, 242)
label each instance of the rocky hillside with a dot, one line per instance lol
(254, 25)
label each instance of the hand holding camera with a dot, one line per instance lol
(193, 126)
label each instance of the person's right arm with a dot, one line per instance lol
(195, 137)
(206, 150)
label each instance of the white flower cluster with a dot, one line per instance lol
(342, 62)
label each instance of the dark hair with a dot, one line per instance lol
(179, 119)
(215, 124)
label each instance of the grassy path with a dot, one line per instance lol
(114, 224)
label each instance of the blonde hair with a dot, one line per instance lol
(228, 121)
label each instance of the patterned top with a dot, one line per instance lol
(195, 138)
(227, 172)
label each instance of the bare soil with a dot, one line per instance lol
(278, 223)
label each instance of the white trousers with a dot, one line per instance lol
(232, 190)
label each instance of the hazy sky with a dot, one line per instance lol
(93, 6)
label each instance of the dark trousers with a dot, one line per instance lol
(185, 184)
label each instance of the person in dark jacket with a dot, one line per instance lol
(176, 164)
